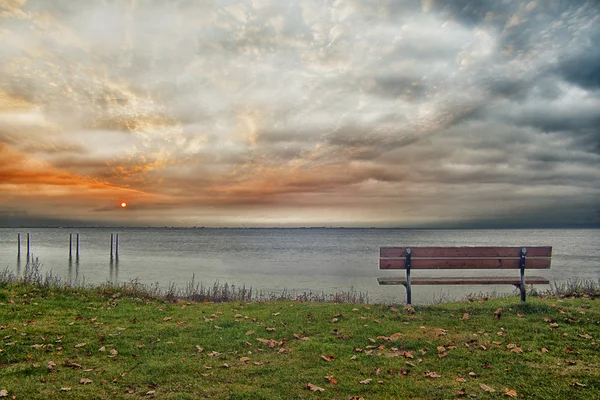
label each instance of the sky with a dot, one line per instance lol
(387, 113)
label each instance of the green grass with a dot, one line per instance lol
(154, 348)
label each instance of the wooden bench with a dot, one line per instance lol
(483, 258)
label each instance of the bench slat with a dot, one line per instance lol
(474, 280)
(473, 263)
(535, 251)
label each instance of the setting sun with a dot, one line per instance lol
(123, 205)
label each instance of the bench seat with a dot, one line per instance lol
(473, 280)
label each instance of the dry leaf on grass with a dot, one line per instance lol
(80, 345)
(486, 388)
(585, 336)
(328, 358)
(85, 381)
(460, 380)
(510, 393)
(3, 393)
(313, 388)
(432, 374)
(366, 381)
(65, 389)
(331, 379)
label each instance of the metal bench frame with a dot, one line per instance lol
(409, 258)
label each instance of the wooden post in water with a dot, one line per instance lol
(28, 246)
(117, 246)
(18, 245)
(112, 239)
(77, 253)
(70, 246)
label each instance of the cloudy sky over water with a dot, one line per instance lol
(300, 112)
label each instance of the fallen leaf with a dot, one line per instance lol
(577, 384)
(486, 388)
(545, 350)
(546, 319)
(331, 379)
(151, 393)
(198, 349)
(244, 359)
(510, 392)
(249, 333)
(520, 315)
(103, 348)
(225, 365)
(271, 329)
(85, 381)
(498, 313)
(465, 316)
(65, 389)
(3, 393)
(407, 354)
(167, 318)
(113, 353)
(269, 342)
(366, 381)
(585, 336)
(473, 374)
(80, 345)
(460, 380)
(328, 358)
(461, 392)
(258, 363)
(313, 388)
(432, 374)
(553, 325)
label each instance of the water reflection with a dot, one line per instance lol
(113, 275)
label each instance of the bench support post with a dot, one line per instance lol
(408, 291)
(522, 267)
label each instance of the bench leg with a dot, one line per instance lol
(522, 288)
(408, 294)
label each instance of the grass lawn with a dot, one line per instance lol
(94, 344)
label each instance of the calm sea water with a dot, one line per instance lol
(299, 260)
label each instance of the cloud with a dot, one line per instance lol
(294, 109)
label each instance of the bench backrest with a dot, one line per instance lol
(464, 257)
